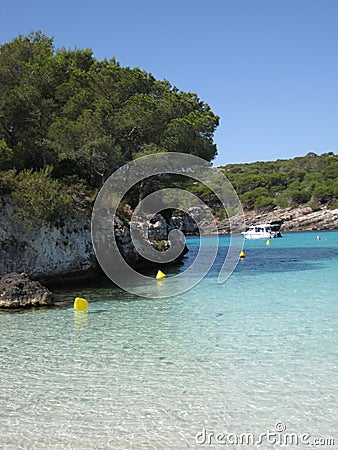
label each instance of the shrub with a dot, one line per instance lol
(6, 154)
(298, 196)
(7, 181)
(161, 245)
(265, 203)
(40, 198)
(323, 194)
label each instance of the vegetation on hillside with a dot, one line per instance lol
(67, 121)
(310, 180)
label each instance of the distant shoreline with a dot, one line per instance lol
(293, 219)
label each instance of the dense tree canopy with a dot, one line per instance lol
(87, 117)
(66, 115)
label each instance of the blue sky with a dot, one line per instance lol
(268, 68)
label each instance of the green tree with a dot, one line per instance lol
(63, 108)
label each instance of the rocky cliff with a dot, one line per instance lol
(293, 219)
(303, 218)
(65, 252)
(45, 252)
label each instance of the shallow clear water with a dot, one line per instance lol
(238, 357)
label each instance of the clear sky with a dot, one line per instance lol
(268, 68)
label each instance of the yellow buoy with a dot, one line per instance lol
(242, 254)
(160, 275)
(268, 242)
(80, 304)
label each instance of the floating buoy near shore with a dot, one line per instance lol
(160, 275)
(80, 304)
(242, 254)
(268, 242)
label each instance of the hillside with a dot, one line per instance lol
(310, 180)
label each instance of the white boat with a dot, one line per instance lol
(263, 231)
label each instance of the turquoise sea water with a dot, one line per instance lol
(256, 353)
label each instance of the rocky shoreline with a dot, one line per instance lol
(66, 253)
(293, 219)
(18, 290)
(56, 255)
(301, 219)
